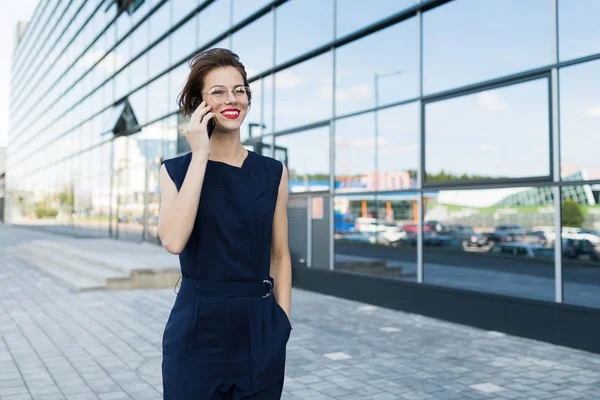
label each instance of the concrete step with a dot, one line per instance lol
(112, 264)
(90, 269)
(72, 280)
(86, 255)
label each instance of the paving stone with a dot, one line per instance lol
(105, 345)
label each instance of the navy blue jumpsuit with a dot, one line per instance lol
(226, 335)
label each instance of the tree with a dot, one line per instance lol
(572, 215)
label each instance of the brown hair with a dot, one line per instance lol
(201, 64)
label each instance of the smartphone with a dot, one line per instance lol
(211, 124)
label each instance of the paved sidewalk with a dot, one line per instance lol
(57, 344)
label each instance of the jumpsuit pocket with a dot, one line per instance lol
(220, 331)
(283, 314)
(177, 328)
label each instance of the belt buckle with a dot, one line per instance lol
(270, 288)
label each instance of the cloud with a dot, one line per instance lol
(111, 63)
(593, 113)
(490, 102)
(353, 93)
(286, 80)
(413, 148)
(487, 147)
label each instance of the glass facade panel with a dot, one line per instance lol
(243, 8)
(306, 156)
(294, 39)
(489, 134)
(160, 22)
(365, 80)
(581, 244)
(355, 154)
(184, 41)
(487, 240)
(181, 8)
(578, 31)
(374, 235)
(158, 58)
(397, 147)
(303, 93)
(254, 45)
(469, 41)
(214, 20)
(580, 121)
(349, 20)
(158, 98)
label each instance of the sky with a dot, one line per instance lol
(12, 12)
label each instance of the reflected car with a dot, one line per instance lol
(491, 238)
(465, 234)
(574, 248)
(516, 232)
(522, 250)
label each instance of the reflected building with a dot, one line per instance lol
(435, 148)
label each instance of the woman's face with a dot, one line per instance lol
(227, 100)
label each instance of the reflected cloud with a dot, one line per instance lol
(490, 102)
(111, 63)
(593, 113)
(354, 93)
(410, 149)
(286, 80)
(487, 147)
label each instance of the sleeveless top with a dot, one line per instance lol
(231, 237)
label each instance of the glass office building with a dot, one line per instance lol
(448, 146)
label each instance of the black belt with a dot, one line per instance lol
(227, 289)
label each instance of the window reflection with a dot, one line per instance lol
(304, 93)
(397, 147)
(350, 18)
(158, 98)
(181, 8)
(580, 121)
(139, 71)
(491, 240)
(178, 80)
(158, 58)
(160, 22)
(244, 8)
(254, 45)
(306, 155)
(373, 235)
(139, 39)
(139, 105)
(581, 244)
(213, 20)
(578, 28)
(184, 41)
(469, 41)
(489, 134)
(289, 30)
(361, 65)
(355, 154)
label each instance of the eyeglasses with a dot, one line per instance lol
(219, 94)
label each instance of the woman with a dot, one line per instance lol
(224, 211)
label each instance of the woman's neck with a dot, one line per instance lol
(226, 146)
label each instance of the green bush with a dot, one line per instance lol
(572, 215)
(42, 212)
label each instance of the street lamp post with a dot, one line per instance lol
(376, 124)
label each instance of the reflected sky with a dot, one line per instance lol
(500, 132)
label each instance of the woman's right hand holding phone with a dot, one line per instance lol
(196, 133)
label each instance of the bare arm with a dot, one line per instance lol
(281, 263)
(178, 209)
